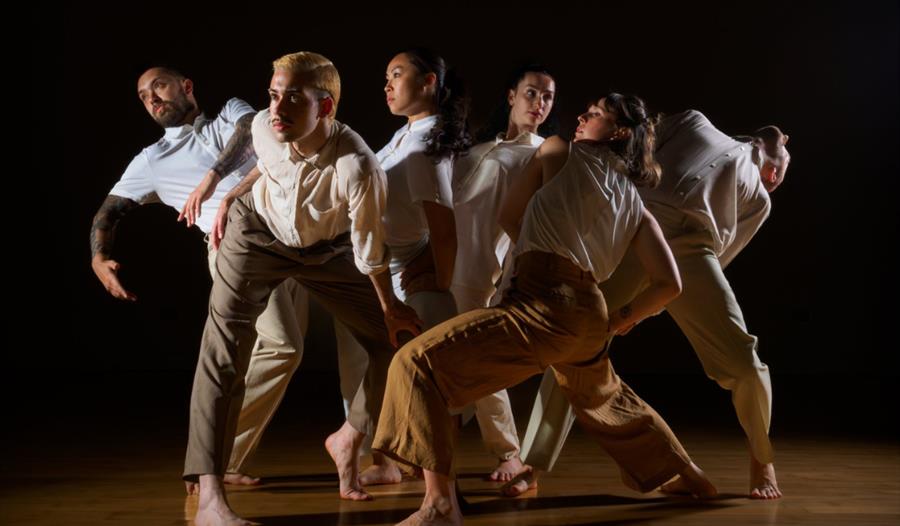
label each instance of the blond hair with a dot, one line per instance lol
(318, 73)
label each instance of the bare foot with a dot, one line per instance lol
(241, 479)
(213, 508)
(507, 469)
(526, 480)
(763, 484)
(691, 481)
(343, 446)
(434, 514)
(385, 473)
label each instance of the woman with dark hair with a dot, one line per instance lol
(418, 218)
(572, 215)
(499, 120)
(481, 180)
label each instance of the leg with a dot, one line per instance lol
(432, 308)
(245, 275)
(276, 356)
(352, 300)
(494, 413)
(709, 315)
(498, 430)
(634, 435)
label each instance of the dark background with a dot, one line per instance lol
(817, 284)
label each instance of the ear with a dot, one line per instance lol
(188, 86)
(621, 134)
(430, 80)
(511, 97)
(784, 139)
(768, 173)
(325, 106)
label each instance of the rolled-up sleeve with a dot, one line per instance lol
(365, 186)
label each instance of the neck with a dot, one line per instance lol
(309, 145)
(515, 130)
(191, 117)
(419, 116)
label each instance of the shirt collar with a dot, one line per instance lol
(177, 132)
(324, 157)
(523, 138)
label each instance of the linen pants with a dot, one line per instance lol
(250, 264)
(553, 316)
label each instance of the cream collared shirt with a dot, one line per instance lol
(481, 180)
(305, 200)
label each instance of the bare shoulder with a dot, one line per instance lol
(552, 147)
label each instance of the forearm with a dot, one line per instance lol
(244, 186)
(384, 289)
(104, 224)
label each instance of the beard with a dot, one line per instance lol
(175, 112)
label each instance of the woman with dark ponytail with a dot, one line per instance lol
(418, 219)
(573, 214)
(480, 182)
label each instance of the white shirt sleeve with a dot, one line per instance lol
(429, 181)
(235, 109)
(137, 181)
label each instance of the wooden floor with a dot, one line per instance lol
(134, 480)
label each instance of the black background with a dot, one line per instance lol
(817, 284)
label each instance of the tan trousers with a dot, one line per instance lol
(553, 316)
(275, 356)
(494, 413)
(709, 316)
(250, 264)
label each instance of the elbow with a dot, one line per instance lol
(673, 287)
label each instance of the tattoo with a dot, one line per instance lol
(625, 312)
(105, 221)
(239, 148)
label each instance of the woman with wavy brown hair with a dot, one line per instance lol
(573, 215)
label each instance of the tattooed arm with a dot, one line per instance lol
(237, 152)
(102, 236)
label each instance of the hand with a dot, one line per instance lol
(422, 263)
(106, 271)
(400, 317)
(204, 191)
(218, 227)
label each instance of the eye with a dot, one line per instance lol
(530, 93)
(293, 98)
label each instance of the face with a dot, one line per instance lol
(531, 101)
(597, 124)
(167, 99)
(774, 168)
(408, 92)
(294, 109)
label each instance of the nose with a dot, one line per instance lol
(387, 87)
(581, 119)
(275, 105)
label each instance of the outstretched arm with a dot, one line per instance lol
(102, 235)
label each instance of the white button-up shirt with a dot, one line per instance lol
(170, 169)
(304, 200)
(481, 180)
(412, 178)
